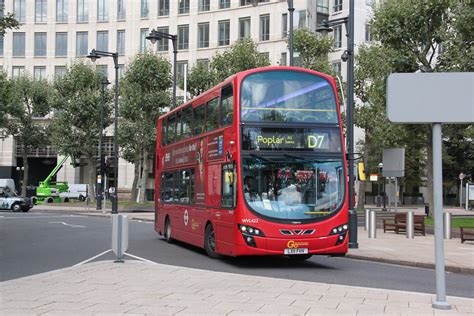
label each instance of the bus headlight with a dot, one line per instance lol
(249, 230)
(341, 232)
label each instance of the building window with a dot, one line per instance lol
(102, 10)
(302, 19)
(18, 71)
(244, 27)
(163, 43)
(41, 11)
(204, 62)
(203, 35)
(120, 9)
(264, 27)
(81, 44)
(82, 11)
(144, 9)
(61, 11)
(39, 72)
(265, 55)
(121, 42)
(337, 5)
(224, 4)
(284, 25)
(103, 41)
(1, 45)
(183, 36)
(19, 9)
(249, 2)
(180, 65)
(143, 40)
(121, 68)
(336, 68)
(163, 7)
(18, 44)
(224, 33)
(2, 8)
(337, 36)
(204, 5)
(103, 69)
(283, 59)
(61, 44)
(368, 33)
(322, 6)
(59, 71)
(40, 44)
(183, 6)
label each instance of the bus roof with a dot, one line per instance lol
(240, 76)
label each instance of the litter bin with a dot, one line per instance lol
(427, 210)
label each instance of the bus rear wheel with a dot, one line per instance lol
(168, 231)
(210, 242)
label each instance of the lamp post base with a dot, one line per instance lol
(441, 305)
(353, 230)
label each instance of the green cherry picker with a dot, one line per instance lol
(48, 191)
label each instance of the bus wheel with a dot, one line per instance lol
(300, 257)
(210, 242)
(168, 231)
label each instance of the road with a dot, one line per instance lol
(32, 243)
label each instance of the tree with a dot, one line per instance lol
(145, 96)
(28, 103)
(242, 55)
(5, 91)
(313, 50)
(75, 126)
(8, 22)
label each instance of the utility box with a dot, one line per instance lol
(119, 235)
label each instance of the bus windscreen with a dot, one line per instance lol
(287, 96)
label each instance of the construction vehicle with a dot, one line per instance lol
(48, 191)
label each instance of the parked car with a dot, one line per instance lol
(74, 192)
(9, 200)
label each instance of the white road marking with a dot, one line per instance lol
(36, 217)
(90, 259)
(66, 224)
(140, 258)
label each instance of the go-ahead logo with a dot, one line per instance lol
(295, 244)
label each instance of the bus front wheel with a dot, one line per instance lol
(168, 231)
(210, 242)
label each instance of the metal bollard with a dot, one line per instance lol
(367, 219)
(410, 225)
(372, 224)
(447, 225)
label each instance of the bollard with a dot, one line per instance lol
(447, 225)
(372, 224)
(119, 236)
(410, 225)
(367, 212)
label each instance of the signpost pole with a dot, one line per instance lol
(440, 302)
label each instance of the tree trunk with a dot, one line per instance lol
(91, 162)
(144, 177)
(136, 175)
(25, 172)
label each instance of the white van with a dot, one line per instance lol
(74, 192)
(8, 183)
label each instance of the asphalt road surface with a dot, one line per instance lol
(32, 243)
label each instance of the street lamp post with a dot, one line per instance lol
(94, 55)
(101, 184)
(21, 171)
(349, 56)
(154, 36)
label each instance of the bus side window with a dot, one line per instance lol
(212, 119)
(187, 120)
(171, 129)
(178, 126)
(227, 106)
(163, 132)
(199, 114)
(228, 186)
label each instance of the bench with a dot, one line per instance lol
(399, 223)
(467, 233)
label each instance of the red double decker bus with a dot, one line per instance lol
(255, 166)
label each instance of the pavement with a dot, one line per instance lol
(147, 288)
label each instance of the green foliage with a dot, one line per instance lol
(242, 55)
(313, 50)
(5, 91)
(75, 126)
(144, 97)
(8, 21)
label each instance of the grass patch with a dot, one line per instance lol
(455, 222)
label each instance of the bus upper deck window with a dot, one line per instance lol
(186, 121)
(178, 126)
(171, 129)
(227, 106)
(212, 119)
(199, 117)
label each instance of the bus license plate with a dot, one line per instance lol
(296, 251)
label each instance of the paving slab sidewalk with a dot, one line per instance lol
(137, 288)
